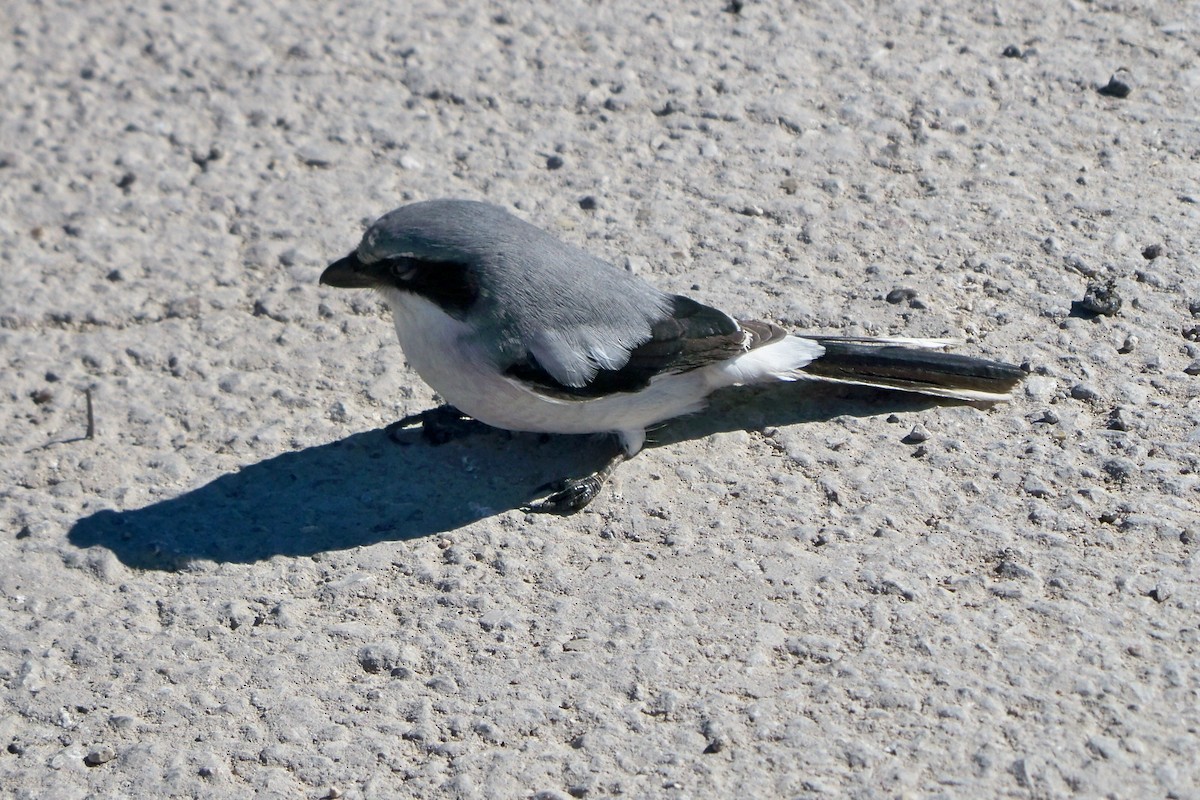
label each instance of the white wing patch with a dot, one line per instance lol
(574, 359)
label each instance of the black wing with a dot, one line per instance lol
(690, 336)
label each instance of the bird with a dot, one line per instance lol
(519, 330)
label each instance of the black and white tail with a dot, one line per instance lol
(913, 365)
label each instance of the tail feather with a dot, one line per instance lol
(914, 368)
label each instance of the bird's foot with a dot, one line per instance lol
(567, 496)
(438, 425)
(570, 495)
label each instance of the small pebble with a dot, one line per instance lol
(1085, 392)
(1193, 368)
(554, 162)
(1119, 469)
(1192, 334)
(917, 435)
(1007, 568)
(1102, 298)
(1012, 51)
(1194, 308)
(1048, 417)
(1035, 487)
(100, 754)
(589, 203)
(316, 157)
(900, 295)
(1153, 278)
(379, 657)
(1130, 344)
(1152, 252)
(1080, 265)
(1115, 88)
(1162, 592)
(1119, 420)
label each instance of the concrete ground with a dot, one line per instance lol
(239, 586)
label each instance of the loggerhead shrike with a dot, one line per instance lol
(524, 332)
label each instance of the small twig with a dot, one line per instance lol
(88, 435)
(91, 419)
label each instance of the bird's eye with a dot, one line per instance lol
(400, 268)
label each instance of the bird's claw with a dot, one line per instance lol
(566, 497)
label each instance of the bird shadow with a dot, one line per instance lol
(369, 487)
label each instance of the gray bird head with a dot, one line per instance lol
(426, 248)
(520, 287)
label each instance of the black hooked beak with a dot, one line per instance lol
(350, 273)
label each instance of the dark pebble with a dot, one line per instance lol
(1193, 368)
(1115, 88)
(1102, 298)
(900, 295)
(1192, 334)
(1012, 51)
(1152, 252)
(41, 396)
(589, 203)
(554, 162)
